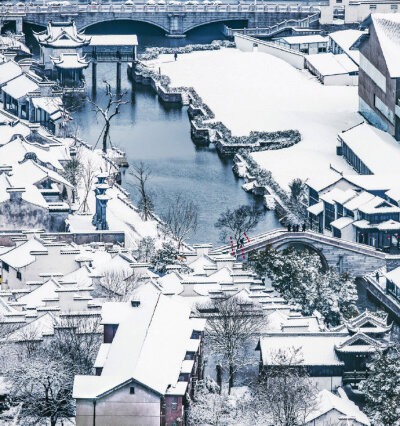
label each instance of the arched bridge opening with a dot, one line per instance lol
(301, 247)
(213, 29)
(126, 26)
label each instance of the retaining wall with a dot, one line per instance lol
(250, 44)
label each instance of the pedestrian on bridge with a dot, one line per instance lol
(303, 228)
(289, 227)
(176, 56)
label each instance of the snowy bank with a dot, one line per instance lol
(251, 91)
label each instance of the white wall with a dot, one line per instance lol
(246, 44)
(120, 408)
(341, 80)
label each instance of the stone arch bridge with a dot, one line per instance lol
(174, 19)
(344, 256)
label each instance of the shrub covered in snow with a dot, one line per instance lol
(153, 52)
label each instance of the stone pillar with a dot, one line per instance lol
(18, 25)
(118, 76)
(94, 75)
(176, 25)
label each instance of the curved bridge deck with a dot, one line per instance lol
(346, 256)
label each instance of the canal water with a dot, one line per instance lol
(159, 135)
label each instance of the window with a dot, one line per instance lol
(174, 404)
(329, 215)
(5, 266)
(189, 355)
(19, 276)
(393, 6)
(196, 334)
(132, 390)
(372, 6)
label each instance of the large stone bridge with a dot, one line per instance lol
(174, 19)
(345, 256)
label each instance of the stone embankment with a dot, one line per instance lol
(205, 130)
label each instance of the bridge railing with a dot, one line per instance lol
(278, 235)
(74, 8)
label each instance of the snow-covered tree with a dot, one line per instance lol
(146, 249)
(209, 406)
(284, 395)
(141, 174)
(232, 325)
(42, 385)
(296, 187)
(382, 388)
(73, 173)
(168, 254)
(181, 218)
(300, 278)
(117, 285)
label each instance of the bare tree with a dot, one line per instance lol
(141, 173)
(111, 109)
(73, 173)
(118, 285)
(181, 218)
(285, 393)
(88, 175)
(232, 324)
(236, 223)
(77, 340)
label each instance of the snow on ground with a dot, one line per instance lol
(121, 215)
(256, 91)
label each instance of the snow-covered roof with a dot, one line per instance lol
(345, 39)
(151, 352)
(70, 61)
(21, 255)
(15, 151)
(8, 71)
(342, 222)
(306, 39)
(378, 205)
(114, 40)
(324, 181)
(375, 148)
(394, 276)
(61, 34)
(35, 298)
(359, 200)
(20, 86)
(316, 209)
(47, 103)
(327, 401)
(102, 355)
(387, 27)
(316, 349)
(329, 64)
(12, 43)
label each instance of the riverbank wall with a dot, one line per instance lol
(205, 130)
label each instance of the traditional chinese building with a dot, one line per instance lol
(334, 357)
(61, 52)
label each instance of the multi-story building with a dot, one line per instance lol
(148, 364)
(379, 75)
(356, 208)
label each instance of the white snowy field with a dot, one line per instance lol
(256, 91)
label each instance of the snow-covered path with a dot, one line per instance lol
(256, 91)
